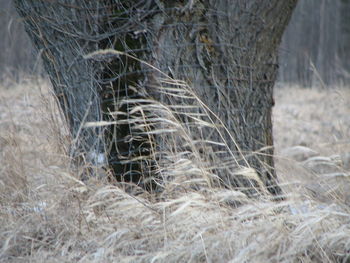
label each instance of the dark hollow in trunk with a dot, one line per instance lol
(225, 50)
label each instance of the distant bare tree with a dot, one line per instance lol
(344, 40)
(16, 50)
(314, 49)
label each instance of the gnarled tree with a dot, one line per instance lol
(226, 50)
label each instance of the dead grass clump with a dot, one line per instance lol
(48, 215)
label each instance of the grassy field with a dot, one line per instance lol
(48, 215)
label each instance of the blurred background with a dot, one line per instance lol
(315, 49)
(316, 46)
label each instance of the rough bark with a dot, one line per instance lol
(225, 50)
(63, 32)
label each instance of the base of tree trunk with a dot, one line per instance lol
(223, 53)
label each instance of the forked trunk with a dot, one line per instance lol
(225, 50)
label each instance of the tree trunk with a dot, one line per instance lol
(235, 68)
(63, 32)
(344, 40)
(225, 50)
(325, 61)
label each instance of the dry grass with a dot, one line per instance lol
(48, 215)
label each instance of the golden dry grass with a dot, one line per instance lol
(48, 215)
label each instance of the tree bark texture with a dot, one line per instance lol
(62, 32)
(225, 50)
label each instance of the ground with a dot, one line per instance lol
(48, 215)
(319, 121)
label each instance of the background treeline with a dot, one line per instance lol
(315, 48)
(16, 54)
(316, 45)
